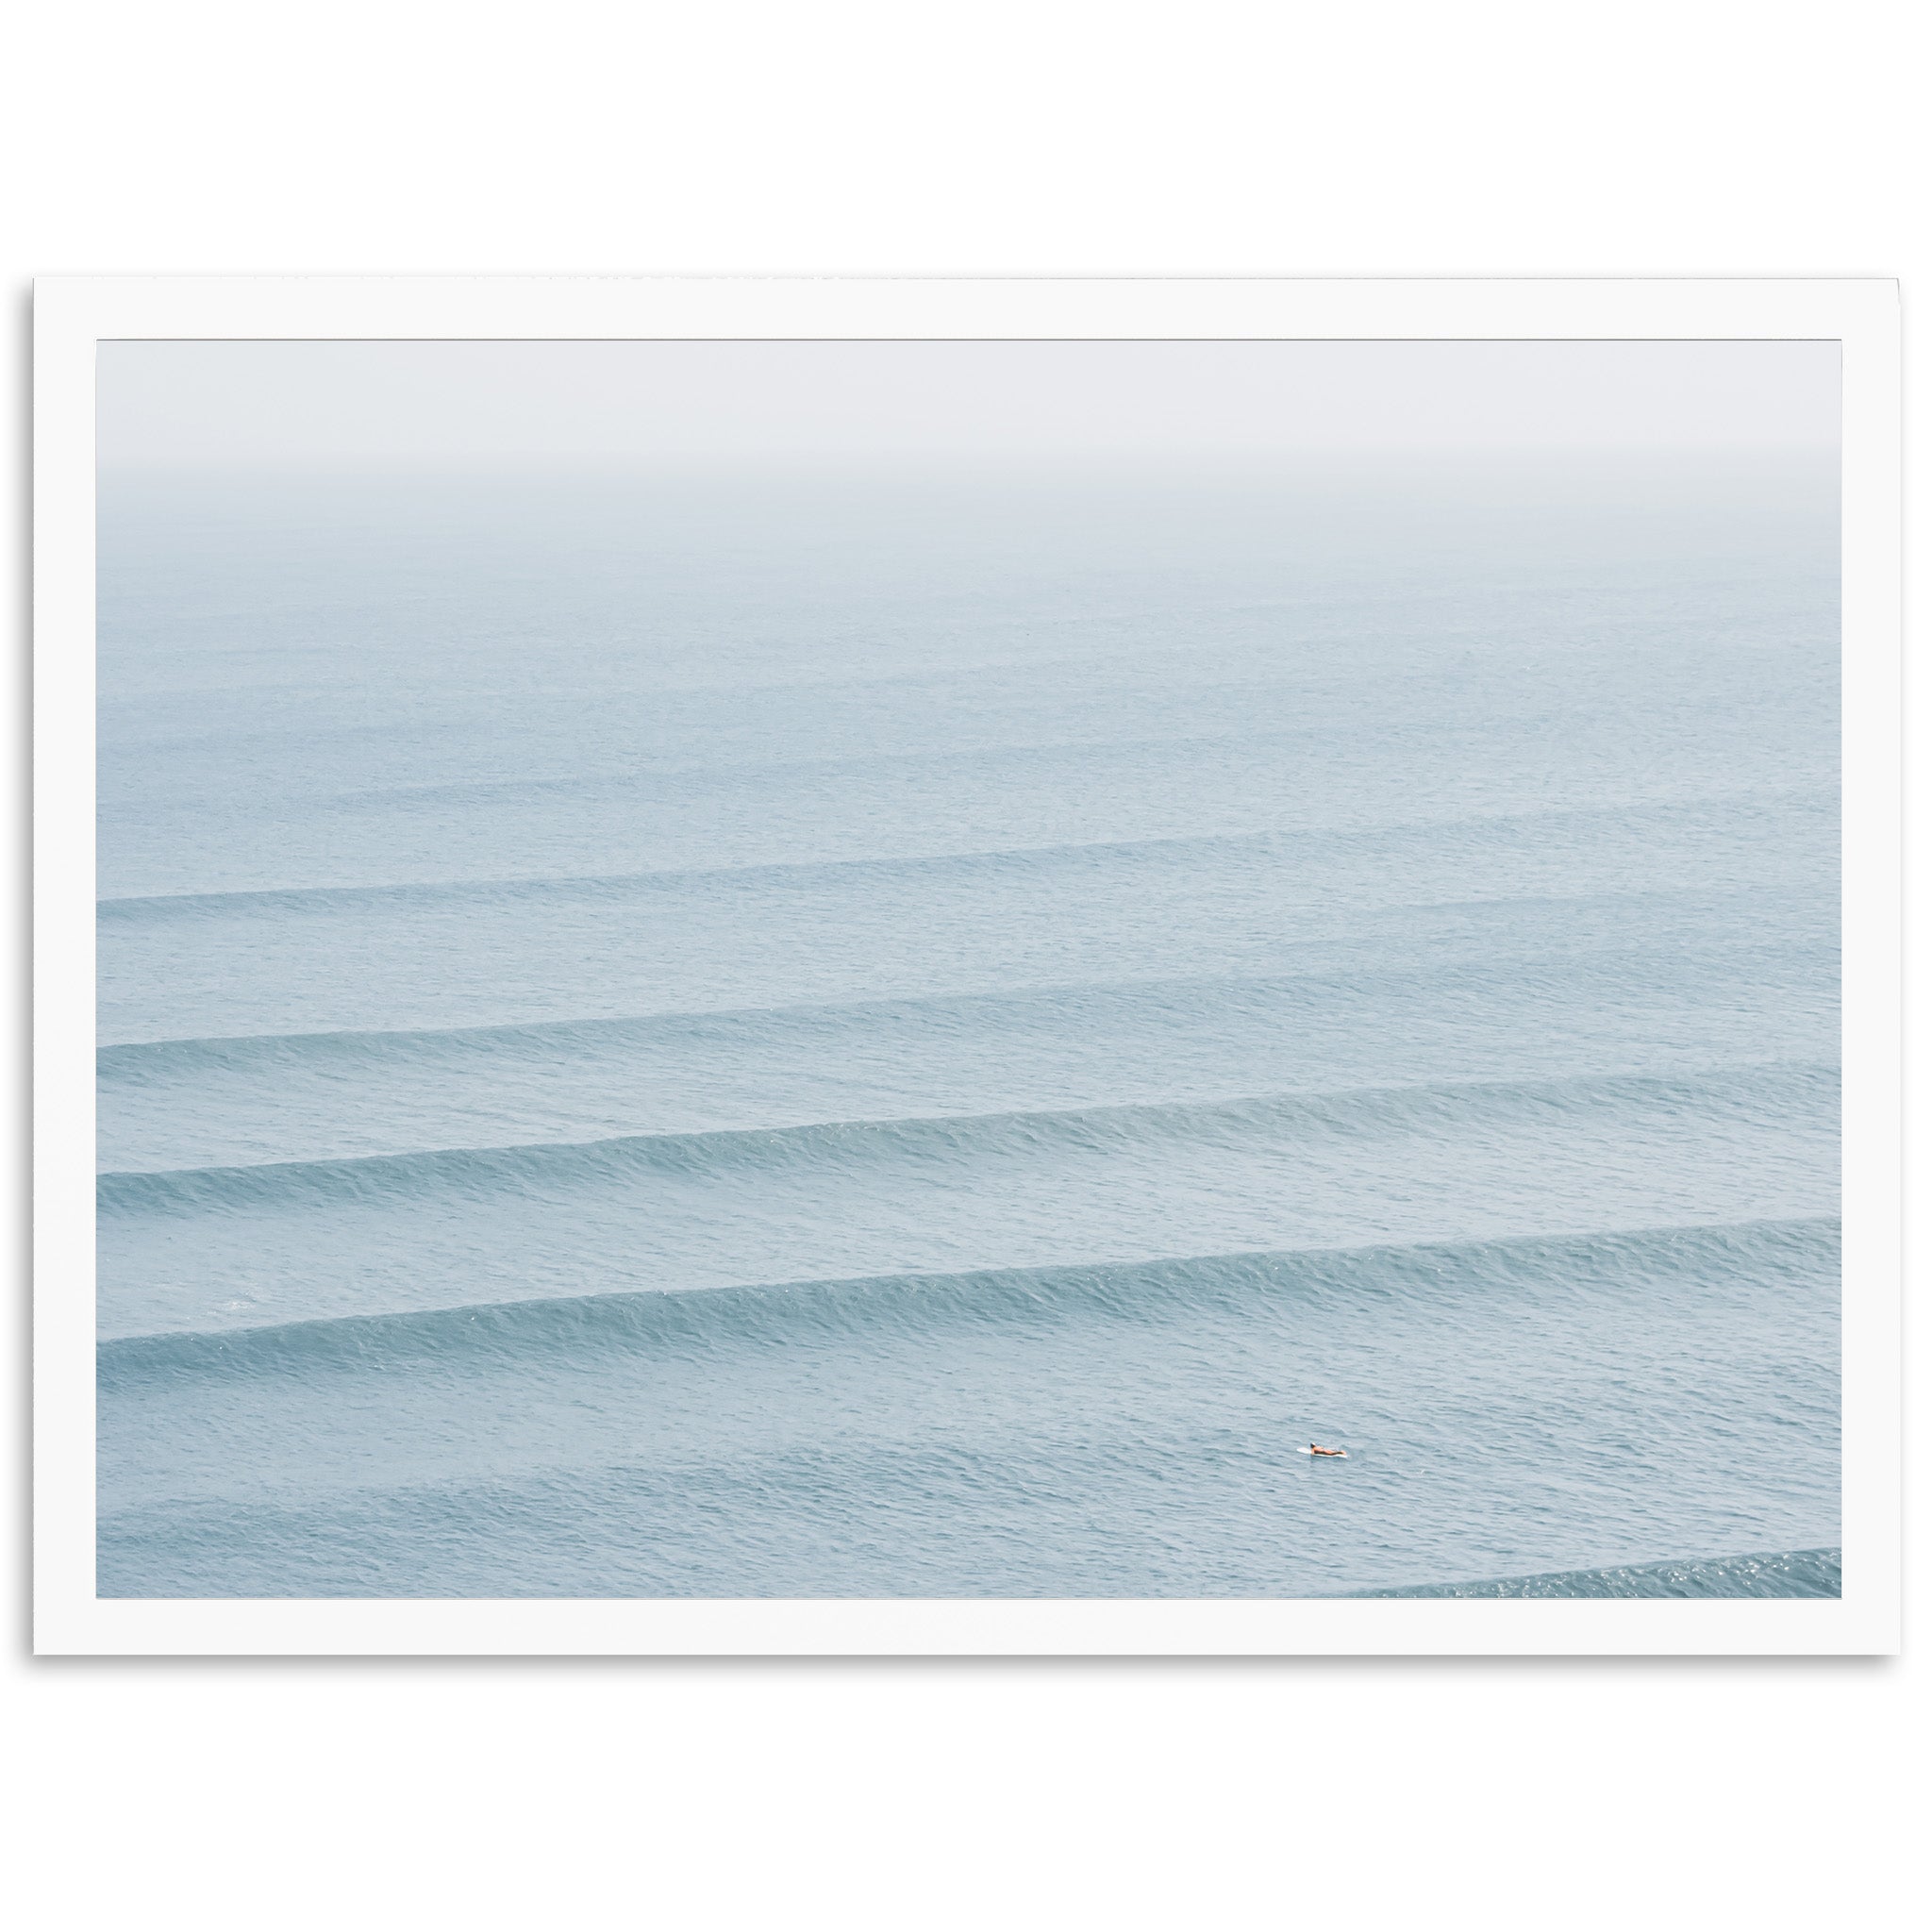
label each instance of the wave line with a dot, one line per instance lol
(143, 907)
(778, 1313)
(1111, 1129)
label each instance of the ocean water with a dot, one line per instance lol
(911, 1034)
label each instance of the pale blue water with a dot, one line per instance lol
(803, 1034)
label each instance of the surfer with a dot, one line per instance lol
(1316, 1449)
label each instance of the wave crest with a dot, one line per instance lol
(1782, 1573)
(782, 1313)
(544, 1165)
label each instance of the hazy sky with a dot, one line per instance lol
(635, 403)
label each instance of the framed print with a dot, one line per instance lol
(967, 966)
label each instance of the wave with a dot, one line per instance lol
(781, 1314)
(135, 1062)
(1782, 1572)
(324, 900)
(1108, 1130)
(603, 886)
(683, 773)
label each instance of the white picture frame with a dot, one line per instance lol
(72, 315)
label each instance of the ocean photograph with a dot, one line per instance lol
(928, 970)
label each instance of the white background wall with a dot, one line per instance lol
(1674, 137)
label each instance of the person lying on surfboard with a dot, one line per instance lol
(1316, 1449)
